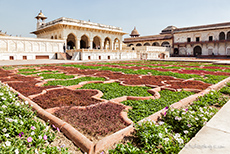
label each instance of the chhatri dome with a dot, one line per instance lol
(41, 16)
(134, 33)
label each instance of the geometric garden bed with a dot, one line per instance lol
(91, 122)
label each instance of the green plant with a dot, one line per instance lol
(21, 131)
(72, 82)
(27, 70)
(208, 78)
(56, 76)
(173, 131)
(144, 108)
(213, 79)
(114, 90)
(153, 138)
(210, 99)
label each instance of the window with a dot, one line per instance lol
(188, 39)
(222, 36)
(108, 57)
(210, 38)
(41, 57)
(197, 39)
(24, 57)
(99, 57)
(11, 57)
(89, 57)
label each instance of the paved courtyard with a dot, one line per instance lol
(54, 61)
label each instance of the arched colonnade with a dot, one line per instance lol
(96, 42)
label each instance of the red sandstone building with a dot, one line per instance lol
(205, 41)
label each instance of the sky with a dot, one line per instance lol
(17, 17)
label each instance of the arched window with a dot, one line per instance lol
(228, 36)
(147, 44)
(222, 36)
(138, 45)
(155, 44)
(165, 44)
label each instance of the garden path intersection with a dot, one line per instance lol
(214, 137)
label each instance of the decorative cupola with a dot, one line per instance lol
(40, 19)
(134, 33)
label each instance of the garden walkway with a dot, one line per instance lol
(44, 61)
(52, 61)
(214, 137)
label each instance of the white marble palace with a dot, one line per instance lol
(84, 40)
(80, 34)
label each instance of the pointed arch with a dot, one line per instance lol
(222, 36)
(84, 43)
(197, 50)
(116, 44)
(96, 42)
(107, 43)
(71, 41)
(228, 35)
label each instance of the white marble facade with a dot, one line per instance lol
(21, 48)
(82, 34)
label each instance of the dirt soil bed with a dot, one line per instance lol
(28, 88)
(4, 73)
(66, 97)
(152, 80)
(116, 75)
(18, 78)
(190, 84)
(183, 71)
(80, 72)
(96, 121)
